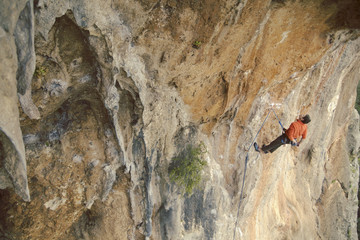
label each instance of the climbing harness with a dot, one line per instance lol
(246, 161)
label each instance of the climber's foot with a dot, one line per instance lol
(256, 146)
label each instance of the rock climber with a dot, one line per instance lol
(293, 135)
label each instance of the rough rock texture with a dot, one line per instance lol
(122, 87)
(25, 48)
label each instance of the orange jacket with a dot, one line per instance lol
(296, 130)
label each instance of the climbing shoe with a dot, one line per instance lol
(256, 146)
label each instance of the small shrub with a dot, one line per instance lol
(40, 72)
(185, 170)
(196, 44)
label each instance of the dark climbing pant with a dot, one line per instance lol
(281, 140)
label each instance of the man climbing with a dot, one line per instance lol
(291, 136)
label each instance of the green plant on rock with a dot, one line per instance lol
(185, 169)
(196, 44)
(40, 72)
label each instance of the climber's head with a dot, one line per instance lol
(305, 119)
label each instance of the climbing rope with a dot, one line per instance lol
(282, 127)
(246, 161)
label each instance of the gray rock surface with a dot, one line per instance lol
(13, 150)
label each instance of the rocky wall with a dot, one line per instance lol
(99, 98)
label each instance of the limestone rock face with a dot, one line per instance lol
(13, 166)
(100, 96)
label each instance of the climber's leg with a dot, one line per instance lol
(281, 140)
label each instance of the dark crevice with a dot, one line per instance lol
(347, 15)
